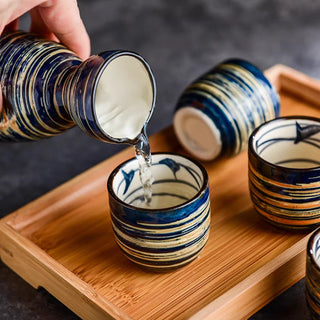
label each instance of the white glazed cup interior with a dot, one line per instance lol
(178, 181)
(124, 96)
(289, 142)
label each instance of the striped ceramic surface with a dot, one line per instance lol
(172, 232)
(284, 171)
(312, 279)
(47, 89)
(231, 100)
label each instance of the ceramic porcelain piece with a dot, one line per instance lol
(173, 230)
(47, 89)
(284, 171)
(217, 112)
(312, 279)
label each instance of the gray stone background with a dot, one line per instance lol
(181, 40)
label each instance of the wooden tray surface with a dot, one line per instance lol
(63, 241)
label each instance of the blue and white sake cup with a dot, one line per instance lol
(284, 171)
(216, 114)
(174, 229)
(313, 275)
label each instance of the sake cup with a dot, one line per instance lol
(284, 171)
(312, 279)
(173, 229)
(216, 114)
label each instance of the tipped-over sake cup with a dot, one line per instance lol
(313, 274)
(173, 229)
(216, 114)
(284, 171)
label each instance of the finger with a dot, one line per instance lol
(12, 26)
(63, 19)
(39, 27)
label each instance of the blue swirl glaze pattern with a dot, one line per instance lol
(312, 279)
(284, 171)
(161, 238)
(47, 88)
(237, 97)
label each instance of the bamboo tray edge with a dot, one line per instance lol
(39, 269)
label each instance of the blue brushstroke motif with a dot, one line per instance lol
(128, 179)
(169, 237)
(305, 132)
(192, 174)
(171, 164)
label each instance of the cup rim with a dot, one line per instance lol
(203, 188)
(97, 77)
(309, 248)
(276, 166)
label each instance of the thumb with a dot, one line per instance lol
(63, 19)
(12, 26)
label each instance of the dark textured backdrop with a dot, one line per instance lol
(181, 40)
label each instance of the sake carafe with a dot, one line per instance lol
(47, 89)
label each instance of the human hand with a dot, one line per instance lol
(57, 20)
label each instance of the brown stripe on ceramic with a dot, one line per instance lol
(48, 89)
(312, 279)
(284, 171)
(217, 112)
(170, 231)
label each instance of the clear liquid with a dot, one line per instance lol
(143, 156)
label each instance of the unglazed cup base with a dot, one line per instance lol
(197, 133)
(217, 112)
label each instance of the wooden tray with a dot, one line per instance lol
(63, 241)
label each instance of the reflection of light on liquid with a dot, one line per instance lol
(143, 156)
